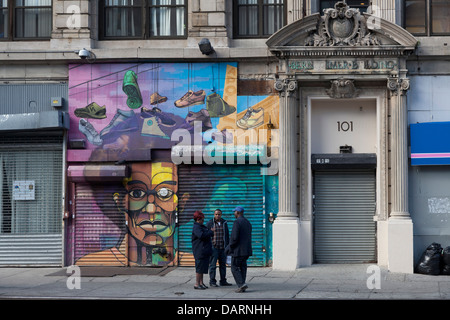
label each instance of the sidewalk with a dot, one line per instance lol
(347, 282)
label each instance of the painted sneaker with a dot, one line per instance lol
(131, 89)
(89, 131)
(251, 119)
(217, 107)
(92, 110)
(202, 116)
(155, 98)
(191, 98)
(123, 122)
(162, 118)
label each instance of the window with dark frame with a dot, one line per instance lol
(362, 5)
(143, 19)
(427, 17)
(258, 18)
(25, 19)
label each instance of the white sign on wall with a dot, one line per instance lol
(23, 190)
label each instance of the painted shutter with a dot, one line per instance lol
(99, 226)
(222, 187)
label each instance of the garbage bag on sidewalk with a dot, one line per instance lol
(430, 262)
(446, 261)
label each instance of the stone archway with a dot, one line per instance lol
(340, 53)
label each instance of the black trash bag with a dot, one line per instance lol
(446, 261)
(430, 262)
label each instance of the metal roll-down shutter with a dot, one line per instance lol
(344, 229)
(222, 187)
(31, 199)
(99, 226)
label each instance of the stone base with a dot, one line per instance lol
(286, 244)
(400, 245)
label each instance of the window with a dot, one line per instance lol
(427, 17)
(25, 19)
(356, 4)
(258, 18)
(125, 19)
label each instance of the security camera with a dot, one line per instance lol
(84, 54)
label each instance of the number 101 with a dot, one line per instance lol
(345, 126)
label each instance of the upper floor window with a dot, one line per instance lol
(427, 17)
(25, 19)
(362, 5)
(258, 18)
(143, 19)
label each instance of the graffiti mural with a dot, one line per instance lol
(123, 111)
(148, 201)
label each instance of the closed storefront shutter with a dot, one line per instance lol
(344, 229)
(222, 187)
(100, 234)
(31, 199)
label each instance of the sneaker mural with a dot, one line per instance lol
(127, 108)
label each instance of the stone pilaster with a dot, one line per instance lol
(287, 174)
(399, 164)
(286, 228)
(400, 226)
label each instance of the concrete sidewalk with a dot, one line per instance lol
(338, 282)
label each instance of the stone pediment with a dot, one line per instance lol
(341, 31)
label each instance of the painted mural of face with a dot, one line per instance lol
(152, 201)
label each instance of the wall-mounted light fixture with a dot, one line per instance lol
(206, 47)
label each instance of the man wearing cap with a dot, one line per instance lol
(240, 248)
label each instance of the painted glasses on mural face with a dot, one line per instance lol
(151, 194)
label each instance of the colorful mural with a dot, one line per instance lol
(148, 202)
(122, 112)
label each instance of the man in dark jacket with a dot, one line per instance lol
(201, 248)
(220, 241)
(240, 248)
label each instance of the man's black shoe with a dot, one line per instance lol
(213, 284)
(225, 284)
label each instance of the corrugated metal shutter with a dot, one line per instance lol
(30, 98)
(31, 250)
(30, 222)
(222, 187)
(344, 230)
(99, 226)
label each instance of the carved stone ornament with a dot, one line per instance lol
(398, 85)
(342, 89)
(287, 85)
(341, 26)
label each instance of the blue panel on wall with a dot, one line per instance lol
(430, 143)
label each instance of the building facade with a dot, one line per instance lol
(308, 113)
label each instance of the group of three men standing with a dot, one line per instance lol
(238, 246)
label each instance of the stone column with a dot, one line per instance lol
(286, 226)
(400, 231)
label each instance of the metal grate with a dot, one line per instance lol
(31, 200)
(38, 209)
(344, 230)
